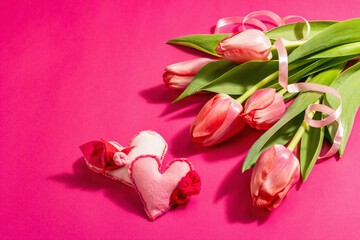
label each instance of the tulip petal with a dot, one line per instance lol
(219, 119)
(260, 99)
(245, 46)
(212, 117)
(250, 39)
(176, 82)
(281, 195)
(232, 125)
(274, 174)
(212, 120)
(188, 68)
(259, 113)
(261, 169)
(261, 201)
(283, 171)
(244, 55)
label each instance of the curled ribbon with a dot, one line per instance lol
(233, 20)
(249, 19)
(269, 14)
(282, 22)
(333, 115)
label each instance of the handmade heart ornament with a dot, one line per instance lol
(113, 160)
(157, 189)
(145, 143)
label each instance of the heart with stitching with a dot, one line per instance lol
(160, 190)
(113, 160)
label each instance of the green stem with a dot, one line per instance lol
(292, 44)
(294, 142)
(265, 81)
(282, 91)
(296, 139)
(257, 86)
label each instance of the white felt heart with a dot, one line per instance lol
(144, 143)
(155, 188)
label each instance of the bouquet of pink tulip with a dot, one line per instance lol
(264, 69)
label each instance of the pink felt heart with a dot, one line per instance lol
(144, 143)
(155, 188)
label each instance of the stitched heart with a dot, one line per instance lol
(144, 143)
(155, 188)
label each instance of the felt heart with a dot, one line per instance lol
(155, 188)
(144, 143)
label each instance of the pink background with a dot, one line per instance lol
(74, 71)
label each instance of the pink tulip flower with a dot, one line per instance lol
(179, 75)
(275, 173)
(264, 108)
(245, 46)
(218, 120)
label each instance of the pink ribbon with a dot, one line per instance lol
(282, 22)
(234, 20)
(266, 13)
(249, 19)
(333, 115)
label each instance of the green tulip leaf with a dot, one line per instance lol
(348, 85)
(298, 73)
(296, 31)
(290, 119)
(202, 42)
(288, 96)
(348, 49)
(337, 34)
(310, 69)
(208, 42)
(289, 123)
(310, 147)
(208, 73)
(331, 63)
(233, 79)
(242, 77)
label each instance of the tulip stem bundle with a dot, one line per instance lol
(300, 132)
(257, 86)
(249, 69)
(265, 81)
(282, 91)
(294, 142)
(290, 45)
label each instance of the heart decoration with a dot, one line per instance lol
(113, 161)
(155, 188)
(139, 166)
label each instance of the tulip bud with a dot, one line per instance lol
(245, 46)
(179, 75)
(275, 173)
(264, 108)
(218, 120)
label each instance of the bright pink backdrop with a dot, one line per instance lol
(74, 71)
